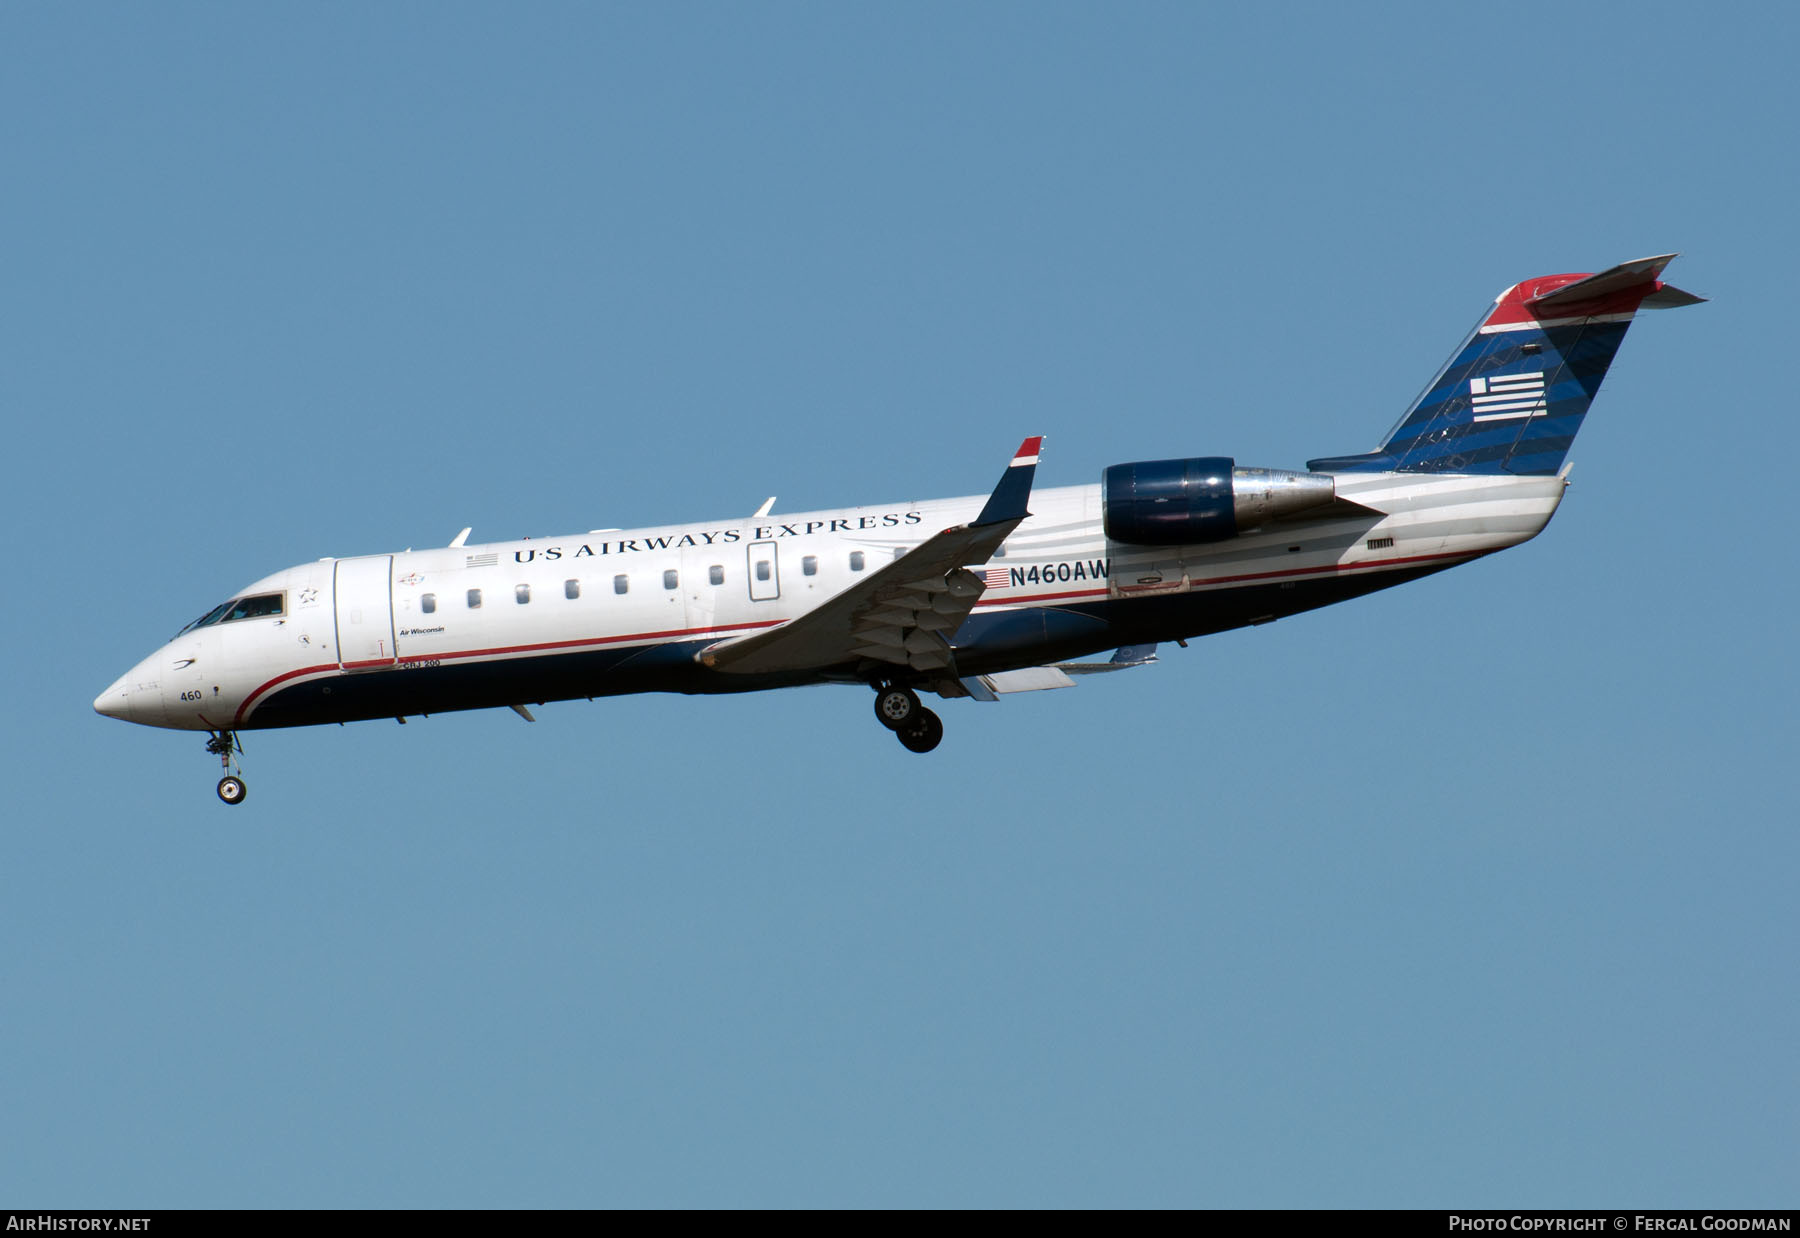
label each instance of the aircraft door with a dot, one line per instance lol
(699, 564)
(1146, 571)
(765, 572)
(364, 600)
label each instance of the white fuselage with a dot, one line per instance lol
(626, 610)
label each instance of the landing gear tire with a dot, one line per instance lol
(896, 707)
(923, 733)
(225, 746)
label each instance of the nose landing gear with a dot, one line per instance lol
(225, 746)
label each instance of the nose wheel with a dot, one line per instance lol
(225, 746)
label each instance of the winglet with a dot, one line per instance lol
(1010, 496)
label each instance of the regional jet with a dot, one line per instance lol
(978, 598)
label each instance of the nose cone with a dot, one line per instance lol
(115, 702)
(135, 696)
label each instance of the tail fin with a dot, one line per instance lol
(1511, 399)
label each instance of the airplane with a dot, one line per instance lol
(962, 598)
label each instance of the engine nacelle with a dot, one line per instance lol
(1206, 499)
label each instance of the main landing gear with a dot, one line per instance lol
(225, 746)
(897, 708)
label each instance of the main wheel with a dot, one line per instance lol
(896, 707)
(923, 733)
(232, 790)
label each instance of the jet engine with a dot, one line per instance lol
(1206, 499)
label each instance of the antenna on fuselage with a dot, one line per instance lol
(461, 538)
(764, 509)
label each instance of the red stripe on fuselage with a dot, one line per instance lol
(499, 651)
(1232, 580)
(592, 642)
(279, 679)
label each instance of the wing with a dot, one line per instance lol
(901, 616)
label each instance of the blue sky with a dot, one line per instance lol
(1478, 892)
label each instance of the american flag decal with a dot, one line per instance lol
(996, 577)
(1507, 397)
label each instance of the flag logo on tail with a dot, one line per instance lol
(1507, 397)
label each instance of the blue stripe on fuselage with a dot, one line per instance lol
(988, 641)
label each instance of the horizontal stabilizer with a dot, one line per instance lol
(1041, 678)
(1627, 275)
(1126, 658)
(1028, 679)
(1668, 296)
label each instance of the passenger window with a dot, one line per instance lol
(521, 594)
(809, 566)
(474, 599)
(671, 580)
(899, 552)
(571, 589)
(856, 560)
(715, 574)
(428, 603)
(621, 584)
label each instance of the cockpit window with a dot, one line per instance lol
(210, 617)
(263, 605)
